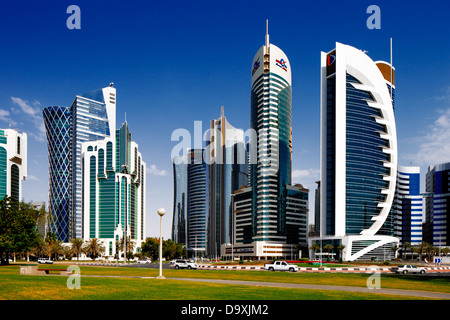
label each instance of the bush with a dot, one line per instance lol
(386, 263)
(241, 262)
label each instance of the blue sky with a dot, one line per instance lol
(176, 62)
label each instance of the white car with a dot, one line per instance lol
(179, 264)
(408, 269)
(45, 261)
(144, 261)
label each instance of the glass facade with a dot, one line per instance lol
(365, 160)
(13, 160)
(437, 215)
(116, 193)
(228, 171)
(271, 109)
(198, 202)
(179, 201)
(90, 123)
(58, 125)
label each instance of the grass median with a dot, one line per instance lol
(116, 283)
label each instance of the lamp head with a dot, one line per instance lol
(161, 211)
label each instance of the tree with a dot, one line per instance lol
(93, 248)
(406, 246)
(394, 249)
(17, 227)
(130, 246)
(169, 249)
(77, 247)
(420, 249)
(341, 248)
(56, 250)
(329, 247)
(315, 246)
(50, 239)
(150, 248)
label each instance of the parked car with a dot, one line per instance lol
(281, 266)
(407, 268)
(179, 264)
(144, 261)
(45, 261)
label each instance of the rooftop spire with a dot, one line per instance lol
(267, 34)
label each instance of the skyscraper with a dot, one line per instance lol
(179, 200)
(91, 117)
(271, 109)
(113, 177)
(278, 210)
(58, 126)
(197, 203)
(408, 204)
(358, 152)
(437, 212)
(228, 171)
(13, 163)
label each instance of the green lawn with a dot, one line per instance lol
(22, 287)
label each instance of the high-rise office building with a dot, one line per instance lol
(271, 110)
(13, 163)
(197, 203)
(179, 200)
(228, 171)
(278, 221)
(113, 197)
(91, 117)
(58, 126)
(358, 153)
(408, 204)
(437, 205)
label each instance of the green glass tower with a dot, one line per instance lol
(113, 191)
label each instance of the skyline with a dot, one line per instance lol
(165, 62)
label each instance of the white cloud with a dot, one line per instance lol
(154, 171)
(31, 177)
(306, 177)
(32, 113)
(435, 145)
(5, 116)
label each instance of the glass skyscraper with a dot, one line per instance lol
(113, 177)
(408, 206)
(58, 126)
(437, 214)
(270, 165)
(197, 203)
(91, 117)
(13, 163)
(228, 171)
(179, 200)
(358, 152)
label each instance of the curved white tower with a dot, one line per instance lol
(358, 153)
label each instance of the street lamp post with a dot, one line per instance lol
(161, 212)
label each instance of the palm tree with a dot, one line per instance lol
(57, 249)
(394, 249)
(50, 239)
(93, 248)
(130, 245)
(77, 247)
(329, 247)
(341, 248)
(420, 249)
(406, 246)
(315, 247)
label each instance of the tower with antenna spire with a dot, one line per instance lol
(277, 209)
